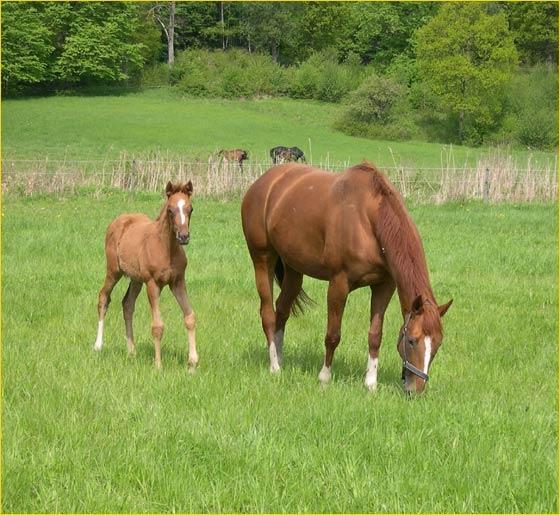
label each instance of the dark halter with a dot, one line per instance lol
(406, 364)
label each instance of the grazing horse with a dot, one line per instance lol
(237, 154)
(286, 154)
(150, 252)
(352, 230)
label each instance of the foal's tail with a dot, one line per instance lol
(302, 298)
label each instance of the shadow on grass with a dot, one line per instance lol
(308, 359)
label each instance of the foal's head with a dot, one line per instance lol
(178, 209)
(419, 340)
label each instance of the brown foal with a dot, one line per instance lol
(150, 252)
(352, 230)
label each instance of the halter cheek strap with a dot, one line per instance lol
(406, 364)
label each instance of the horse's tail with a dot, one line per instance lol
(302, 299)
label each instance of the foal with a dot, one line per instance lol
(150, 252)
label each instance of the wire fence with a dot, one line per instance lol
(494, 178)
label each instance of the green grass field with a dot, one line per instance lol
(85, 432)
(87, 128)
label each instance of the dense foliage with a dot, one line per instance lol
(451, 67)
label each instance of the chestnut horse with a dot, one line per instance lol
(352, 230)
(150, 252)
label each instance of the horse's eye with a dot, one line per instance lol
(411, 341)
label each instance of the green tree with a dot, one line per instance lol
(465, 57)
(99, 44)
(534, 26)
(380, 31)
(27, 47)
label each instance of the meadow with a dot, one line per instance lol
(102, 432)
(159, 120)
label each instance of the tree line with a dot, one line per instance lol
(441, 69)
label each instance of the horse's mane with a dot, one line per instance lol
(400, 240)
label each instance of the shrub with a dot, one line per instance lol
(379, 108)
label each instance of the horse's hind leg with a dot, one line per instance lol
(264, 270)
(336, 301)
(179, 289)
(111, 279)
(128, 302)
(291, 286)
(157, 322)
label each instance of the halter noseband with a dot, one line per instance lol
(406, 364)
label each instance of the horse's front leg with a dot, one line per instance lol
(380, 297)
(179, 289)
(157, 323)
(336, 301)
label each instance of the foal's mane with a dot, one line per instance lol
(399, 237)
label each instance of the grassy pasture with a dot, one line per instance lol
(87, 128)
(85, 432)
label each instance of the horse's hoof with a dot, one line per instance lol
(275, 370)
(191, 369)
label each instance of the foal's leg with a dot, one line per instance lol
(111, 279)
(291, 286)
(380, 297)
(128, 302)
(180, 291)
(264, 270)
(336, 301)
(157, 323)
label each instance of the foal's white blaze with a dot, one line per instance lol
(99, 340)
(371, 374)
(181, 205)
(427, 353)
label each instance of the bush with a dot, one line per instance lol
(230, 74)
(322, 77)
(379, 108)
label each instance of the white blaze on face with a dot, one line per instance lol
(181, 206)
(427, 353)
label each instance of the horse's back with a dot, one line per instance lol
(285, 197)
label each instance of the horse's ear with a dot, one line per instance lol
(169, 189)
(188, 189)
(417, 305)
(443, 308)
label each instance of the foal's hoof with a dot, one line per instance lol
(191, 368)
(275, 369)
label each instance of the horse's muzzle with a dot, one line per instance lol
(183, 239)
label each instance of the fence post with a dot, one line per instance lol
(486, 186)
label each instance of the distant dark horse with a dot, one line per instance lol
(352, 230)
(286, 154)
(237, 155)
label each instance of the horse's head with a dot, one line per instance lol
(179, 209)
(419, 340)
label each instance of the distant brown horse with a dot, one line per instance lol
(237, 155)
(150, 252)
(351, 229)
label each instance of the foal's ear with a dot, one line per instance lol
(417, 305)
(443, 308)
(188, 188)
(169, 189)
